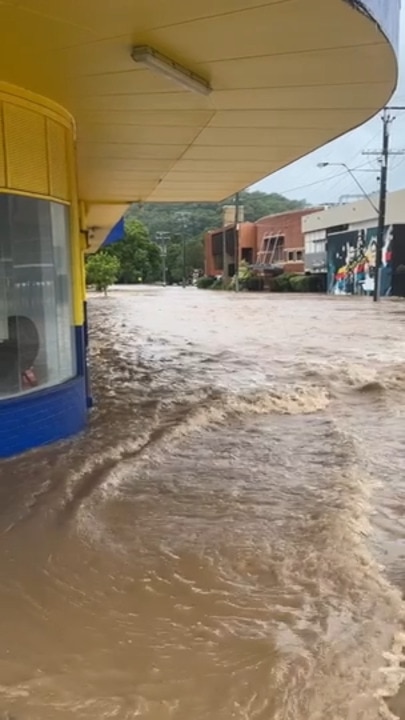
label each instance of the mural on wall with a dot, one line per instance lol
(352, 262)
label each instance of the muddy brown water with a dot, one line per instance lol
(227, 539)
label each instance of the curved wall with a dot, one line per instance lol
(43, 398)
(35, 140)
(43, 417)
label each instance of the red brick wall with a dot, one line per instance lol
(209, 260)
(247, 236)
(289, 225)
(247, 239)
(251, 234)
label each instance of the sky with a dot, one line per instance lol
(304, 180)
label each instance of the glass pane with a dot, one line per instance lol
(65, 340)
(36, 329)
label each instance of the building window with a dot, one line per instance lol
(273, 250)
(299, 255)
(290, 256)
(247, 255)
(37, 347)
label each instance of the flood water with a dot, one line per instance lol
(227, 540)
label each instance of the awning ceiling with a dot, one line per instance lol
(287, 76)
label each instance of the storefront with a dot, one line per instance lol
(42, 335)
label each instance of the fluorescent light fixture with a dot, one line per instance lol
(162, 65)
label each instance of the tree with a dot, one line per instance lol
(194, 257)
(174, 262)
(195, 254)
(140, 258)
(102, 270)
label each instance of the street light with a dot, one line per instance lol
(352, 175)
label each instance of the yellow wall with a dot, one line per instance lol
(37, 159)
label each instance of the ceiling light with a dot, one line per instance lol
(164, 66)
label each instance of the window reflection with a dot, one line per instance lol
(36, 328)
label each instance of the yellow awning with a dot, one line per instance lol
(287, 76)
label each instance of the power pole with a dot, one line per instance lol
(224, 253)
(236, 235)
(184, 260)
(184, 218)
(382, 205)
(385, 153)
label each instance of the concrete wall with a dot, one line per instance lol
(360, 212)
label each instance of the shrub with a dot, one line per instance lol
(102, 270)
(291, 282)
(220, 285)
(281, 283)
(254, 284)
(317, 283)
(205, 282)
(300, 283)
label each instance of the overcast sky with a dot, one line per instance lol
(303, 180)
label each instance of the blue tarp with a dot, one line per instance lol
(116, 233)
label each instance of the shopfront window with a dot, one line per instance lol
(36, 326)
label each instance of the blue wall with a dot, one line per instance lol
(42, 417)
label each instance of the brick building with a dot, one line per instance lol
(272, 240)
(214, 248)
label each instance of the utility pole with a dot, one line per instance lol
(236, 235)
(164, 265)
(224, 253)
(184, 260)
(385, 153)
(184, 218)
(382, 205)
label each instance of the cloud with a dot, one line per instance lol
(303, 179)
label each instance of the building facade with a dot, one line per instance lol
(220, 247)
(341, 242)
(280, 240)
(272, 240)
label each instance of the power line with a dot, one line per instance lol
(341, 178)
(322, 181)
